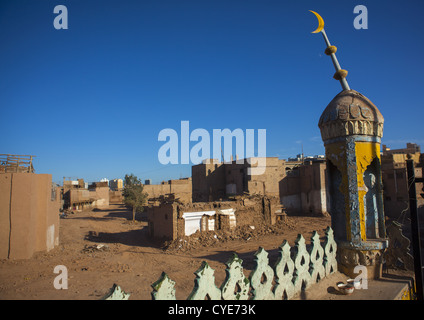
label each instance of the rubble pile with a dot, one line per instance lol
(95, 248)
(209, 238)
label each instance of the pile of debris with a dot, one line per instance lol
(65, 213)
(209, 238)
(95, 248)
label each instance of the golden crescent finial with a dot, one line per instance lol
(320, 22)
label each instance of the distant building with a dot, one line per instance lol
(116, 184)
(395, 180)
(300, 184)
(304, 187)
(214, 180)
(76, 196)
(411, 148)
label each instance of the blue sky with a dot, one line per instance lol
(90, 101)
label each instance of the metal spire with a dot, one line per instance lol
(331, 51)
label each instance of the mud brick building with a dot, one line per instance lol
(76, 196)
(304, 188)
(214, 180)
(395, 179)
(300, 185)
(29, 209)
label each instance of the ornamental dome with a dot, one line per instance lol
(350, 113)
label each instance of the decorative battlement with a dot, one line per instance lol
(295, 270)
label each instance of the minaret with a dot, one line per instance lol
(351, 128)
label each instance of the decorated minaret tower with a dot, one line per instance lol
(351, 128)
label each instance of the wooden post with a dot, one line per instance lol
(415, 231)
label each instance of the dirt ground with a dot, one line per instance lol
(133, 261)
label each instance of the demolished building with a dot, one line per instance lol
(241, 192)
(171, 219)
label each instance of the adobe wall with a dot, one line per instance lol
(155, 190)
(4, 214)
(267, 182)
(115, 196)
(313, 188)
(290, 193)
(209, 181)
(235, 179)
(78, 196)
(29, 218)
(200, 189)
(181, 188)
(101, 195)
(304, 189)
(215, 180)
(95, 198)
(163, 221)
